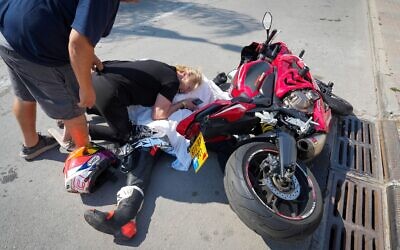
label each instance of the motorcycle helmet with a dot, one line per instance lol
(84, 165)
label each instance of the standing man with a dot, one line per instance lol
(48, 46)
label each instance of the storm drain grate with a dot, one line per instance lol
(354, 214)
(354, 149)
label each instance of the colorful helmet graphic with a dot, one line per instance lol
(84, 165)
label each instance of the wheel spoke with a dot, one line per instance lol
(269, 197)
(275, 203)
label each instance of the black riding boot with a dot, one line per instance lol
(122, 222)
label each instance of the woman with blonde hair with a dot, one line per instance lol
(143, 82)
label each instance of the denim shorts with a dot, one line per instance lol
(54, 88)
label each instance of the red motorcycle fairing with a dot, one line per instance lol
(190, 126)
(289, 79)
(233, 112)
(322, 115)
(250, 77)
(220, 116)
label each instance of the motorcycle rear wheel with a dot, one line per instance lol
(337, 104)
(259, 206)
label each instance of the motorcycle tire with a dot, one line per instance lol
(338, 105)
(259, 208)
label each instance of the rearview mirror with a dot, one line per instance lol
(267, 21)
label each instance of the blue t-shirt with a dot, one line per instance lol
(39, 29)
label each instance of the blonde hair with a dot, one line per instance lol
(194, 75)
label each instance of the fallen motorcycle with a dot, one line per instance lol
(279, 117)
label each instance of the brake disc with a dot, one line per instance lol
(290, 195)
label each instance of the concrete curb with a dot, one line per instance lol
(391, 163)
(382, 23)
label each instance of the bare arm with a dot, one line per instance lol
(163, 108)
(81, 53)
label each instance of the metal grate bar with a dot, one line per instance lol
(368, 211)
(340, 202)
(358, 130)
(359, 213)
(358, 159)
(349, 205)
(366, 156)
(350, 240)
(367, 133)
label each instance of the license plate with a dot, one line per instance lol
(198, 152)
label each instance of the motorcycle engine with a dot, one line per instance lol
(301, 100)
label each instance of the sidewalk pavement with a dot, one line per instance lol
(385, 35)
(385, 22)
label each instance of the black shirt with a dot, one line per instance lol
(139, 82)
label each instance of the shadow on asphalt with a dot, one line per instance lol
(204, 187)
(55, 154)
(227, 23)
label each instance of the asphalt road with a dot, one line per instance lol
(182, 210)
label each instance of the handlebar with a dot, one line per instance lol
(273, 33)
(302, 53)
(267, 50)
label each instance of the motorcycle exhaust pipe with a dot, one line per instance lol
(311, 146)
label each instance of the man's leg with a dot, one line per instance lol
(78, 130)
(34, 144)
(55, 89)
(25, 113)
